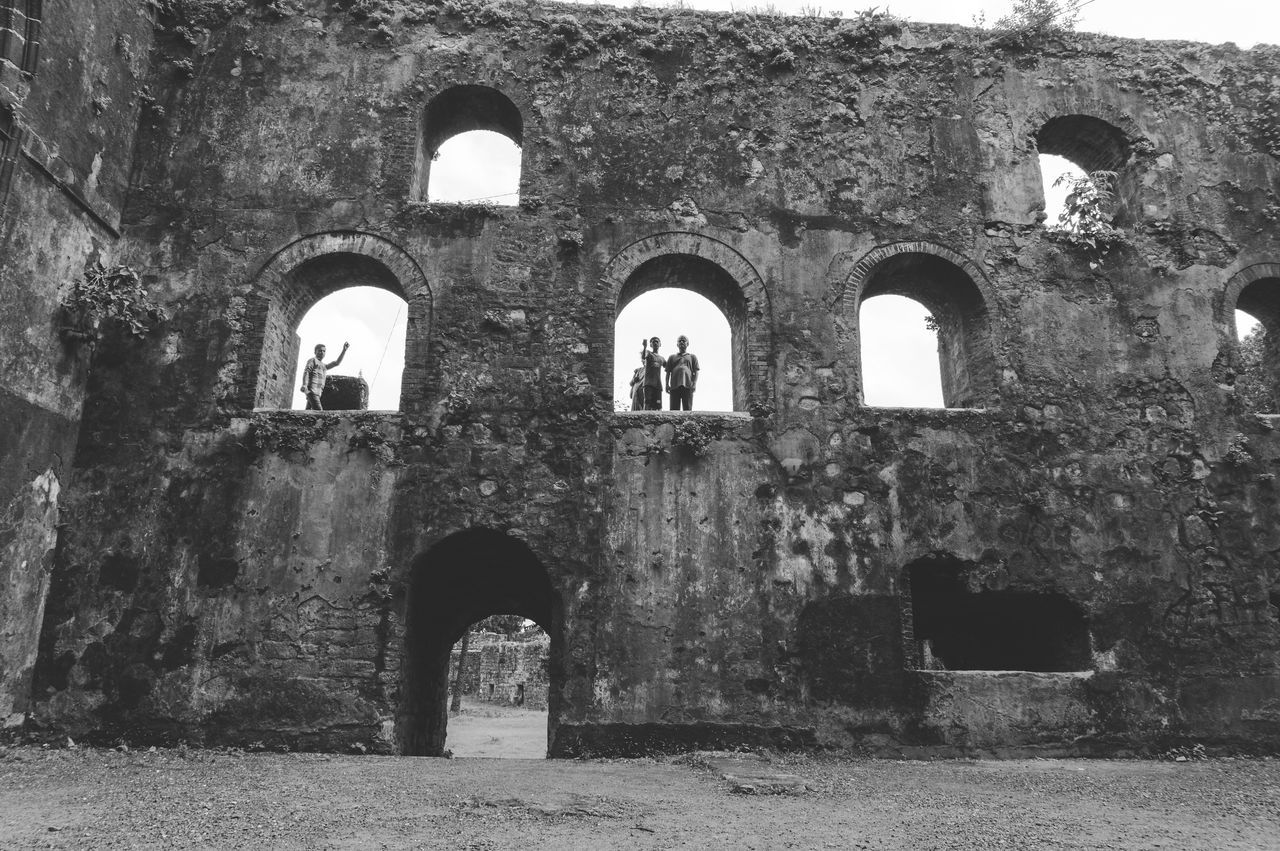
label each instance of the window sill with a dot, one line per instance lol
(1002, 672)
(650, 416)
(880, 409)
(350, 412)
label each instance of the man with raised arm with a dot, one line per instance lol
(314, 374)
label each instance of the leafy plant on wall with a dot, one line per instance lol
(108, 294)
(1085, 218)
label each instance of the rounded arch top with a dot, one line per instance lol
(1239, 282)
(624, 265)
(957, 295)
(715, 270)
(299, 275)
(476, 572)
(470, 106)
(350, 250)
(865, 268)
(1093, 134)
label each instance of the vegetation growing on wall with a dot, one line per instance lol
(1253, 388)
(1032, 21)
(1085, 218)
(109, 293)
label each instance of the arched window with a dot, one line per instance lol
(373, 321)
(20, 33)
(964, 618)
(669, 313)
(1257, 326)
(956, 311)
(684, 294)
(469, 148)
(1080, 147)
(899, 353)
(265, 337)
(303, 288)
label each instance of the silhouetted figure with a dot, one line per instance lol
(682, 376)
(314, 374)
(653, 366)
(637, 385)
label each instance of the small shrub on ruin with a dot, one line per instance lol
(111, 294)
(694, 435)
(1085, 218)
(1238, 454)
(1029, 22)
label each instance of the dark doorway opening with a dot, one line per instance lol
(465, 578)
(961, 624)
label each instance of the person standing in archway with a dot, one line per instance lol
(682, 376)
(315, 373)
(653, 366)
(637, 384)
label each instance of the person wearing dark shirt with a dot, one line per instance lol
(653, 366)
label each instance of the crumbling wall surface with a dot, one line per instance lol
(718, 579)
(501, 669)
(67, 124)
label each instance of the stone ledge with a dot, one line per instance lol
(634, 418)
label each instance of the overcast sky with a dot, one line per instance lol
(901, 363)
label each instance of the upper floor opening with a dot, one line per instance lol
(670, 313)
(681, 295)
(329, 289)
(469, 148)
(1256, 318)
(1081, 156)
(373, 321)
(949, 308)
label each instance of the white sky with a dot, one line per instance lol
(478, 166)
(373, 321)
(651, 315)
(901, 364)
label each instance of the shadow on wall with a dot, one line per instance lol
(961, 621)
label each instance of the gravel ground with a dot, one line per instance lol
(493, 730)
(86, 798)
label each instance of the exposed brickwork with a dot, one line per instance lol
(225, 575)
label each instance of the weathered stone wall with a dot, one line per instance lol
(504, 670)
(68, 115)
(227, 575)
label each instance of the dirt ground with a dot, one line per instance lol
(87, 798)
(493, 730)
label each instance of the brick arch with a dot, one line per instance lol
(1237, 284)
(298, 276)
(958, 295)
(1255, 289)
(747, 306)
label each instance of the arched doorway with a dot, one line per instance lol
(465, 577)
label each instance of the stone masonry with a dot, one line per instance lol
(1077, 555)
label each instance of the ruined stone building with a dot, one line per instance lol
(1078, 554)
(506, 670)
